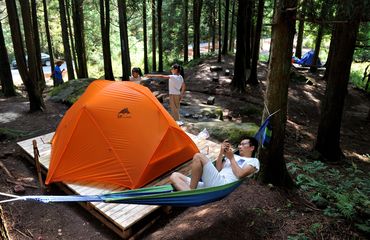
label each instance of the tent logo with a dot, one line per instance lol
(124, 113)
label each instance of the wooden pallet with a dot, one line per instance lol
(121, 218)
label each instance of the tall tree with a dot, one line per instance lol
(35, 29)
(298, 49)
(219, 32)
(226, 27)
(48, 37)
(319, 35)
(160, 40)
(105, 33)
(231, 41)
(197, 9)
(273, 164)
(256, 43)
(66, 46)
(344, 41)
(146, 65)
(72, 50)
(125, 52)
(5, 73)
(186, 31)
(79, 34)
(154, 46)
(28, 74)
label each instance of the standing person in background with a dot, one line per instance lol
(57, 74)
(136, 75)
(176, 88)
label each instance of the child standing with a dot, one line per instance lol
(57, 74)
(136, 75)
(176, 88)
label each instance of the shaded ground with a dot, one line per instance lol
(253, 211)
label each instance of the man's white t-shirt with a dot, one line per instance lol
(174, 84)
(227, 171)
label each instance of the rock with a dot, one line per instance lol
(211, 100)
(215, 79)
(227, 72)
(19, 189)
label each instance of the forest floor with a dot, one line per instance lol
(253, 211)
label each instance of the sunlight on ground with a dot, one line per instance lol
(7, 117)
(202, 213)
(362, 157)
(311, 97)
(183, 226)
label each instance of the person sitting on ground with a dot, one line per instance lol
(136, 75)
(229, 167)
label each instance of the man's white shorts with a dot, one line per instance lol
(210, 177)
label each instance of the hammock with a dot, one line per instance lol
(164, 195)
(157, 195)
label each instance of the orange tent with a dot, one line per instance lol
(118, 133)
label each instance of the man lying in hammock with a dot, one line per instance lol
(229, 167)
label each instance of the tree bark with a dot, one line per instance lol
(256, 43)
(219, 32)
(154, 46)
(226, 27)
(73, 54)
(231, 42)
(48, 37)
(145, 30)
(273, 168)
(36, 39)
(67, 49)
(186, 31)
(79, 30)
(29, 78)
(160, 40)
(239, 80)
(105, 33)
(125, 52)
(298, 48)
(344, 40)
(197, 8)
(6, 78)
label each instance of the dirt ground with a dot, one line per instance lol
(253, 211)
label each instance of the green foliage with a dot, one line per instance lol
(357, 73)
(8, 134)
(342, 193)
(299, 236)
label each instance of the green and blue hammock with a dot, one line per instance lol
(164, 195)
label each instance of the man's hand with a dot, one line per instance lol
(229, 153)
(225, 145)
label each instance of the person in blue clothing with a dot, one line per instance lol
(229, 167)
(57, 74)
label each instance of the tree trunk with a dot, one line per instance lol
(213, 27)
(73, 54)
(186, 31)
(5, 72)
(231, 42)
(248, 41)
(154, 46)
(197, 8)
(67, 50)
(256, 43)
(36, 39)
(29, 78)
(145, 30)
(330, 54)
(273, 168)
(344, 40)
(226, 27)
(239, 80)
(104, 29)
(219, 32)
(79, 30)
(160, 40)
(320, 32)
(48, 37)
(298, 48)
(125, 52)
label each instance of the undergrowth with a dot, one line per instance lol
(343, 193)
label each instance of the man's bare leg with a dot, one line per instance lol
(199, 160)
(179, 181)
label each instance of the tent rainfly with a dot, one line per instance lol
(117, 133)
